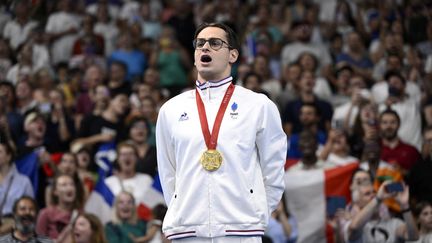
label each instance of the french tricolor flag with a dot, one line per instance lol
(101, 199)
(306, 194)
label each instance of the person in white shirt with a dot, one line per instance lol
(17, 30)
(219, 188)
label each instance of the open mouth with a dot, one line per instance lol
(206, 58)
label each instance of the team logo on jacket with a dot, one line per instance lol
(184, 117)
(234, 113)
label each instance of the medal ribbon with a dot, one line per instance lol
(211, 139)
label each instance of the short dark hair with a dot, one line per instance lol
(25, 197)
(230, 34)
(393, 73)
(390, 112)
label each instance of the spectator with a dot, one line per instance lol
(336, 151)
(88, 42)
(24, 68)
(309, 62)
(308, 146)
(5, 58)
(253, 81)
(87, 228)
(347, 112)
(68, 166)
(138, 134)
(106, 127)
(394, 149)
(172, 61)
(13, 184)
(105, 26)
(290, 85)
(291, 121)
(409, 125)
(60, 125)
(149, 112)
(126, 176)
(134, 59)
(419, 177)
(117, 82)
(309, 117)
(341, 85)
(25, 212)
(17, 31)
(154, 227)
(84, 164)
(62, 28)
(282, 227)
(356, 56)
(125, 225)
(11, 121)
(365, 226)
(182, 21)
(423, 213)
(94, 75)
(302, 43)
(365, 127)
(24, 95)
(55, 221)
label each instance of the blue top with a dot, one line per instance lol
(135, 61)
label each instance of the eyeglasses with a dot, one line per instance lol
(215, 43)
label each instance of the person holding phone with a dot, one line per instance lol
(369, 225)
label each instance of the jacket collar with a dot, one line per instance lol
(213, 89)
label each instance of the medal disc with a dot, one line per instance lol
(211, 160)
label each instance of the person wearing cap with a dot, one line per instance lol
(220, 186)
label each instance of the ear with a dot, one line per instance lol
(233, 56)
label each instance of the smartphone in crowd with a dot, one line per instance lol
(334, 203)
(394, 187)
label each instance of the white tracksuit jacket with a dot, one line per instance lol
(236, 199)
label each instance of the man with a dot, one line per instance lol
(309, 118)
(291, 119)
(308, 145)
(219, 190)
(25, 211)
(394, 150)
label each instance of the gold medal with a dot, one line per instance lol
(211, 160)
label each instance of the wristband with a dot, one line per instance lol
(405, 210)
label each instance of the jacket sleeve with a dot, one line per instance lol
(165, 155)
(271, 142)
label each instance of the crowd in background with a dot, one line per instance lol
(352, 80)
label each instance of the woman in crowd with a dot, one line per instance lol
(125, 223)
(423, 214)
(87, 228)
(139, 132)
(68, 165)
(54, 220)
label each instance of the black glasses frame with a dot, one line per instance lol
(214, 43)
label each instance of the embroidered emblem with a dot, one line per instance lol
(234, 113)
(184, 117)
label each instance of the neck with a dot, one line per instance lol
(65, 206)
(424, 231)
(206, 78)
(34, 141)
(391, 143)
(21, 236)
(309, 163)
(127, 174)
(4, 170)
(307, 96)
(109, 115)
